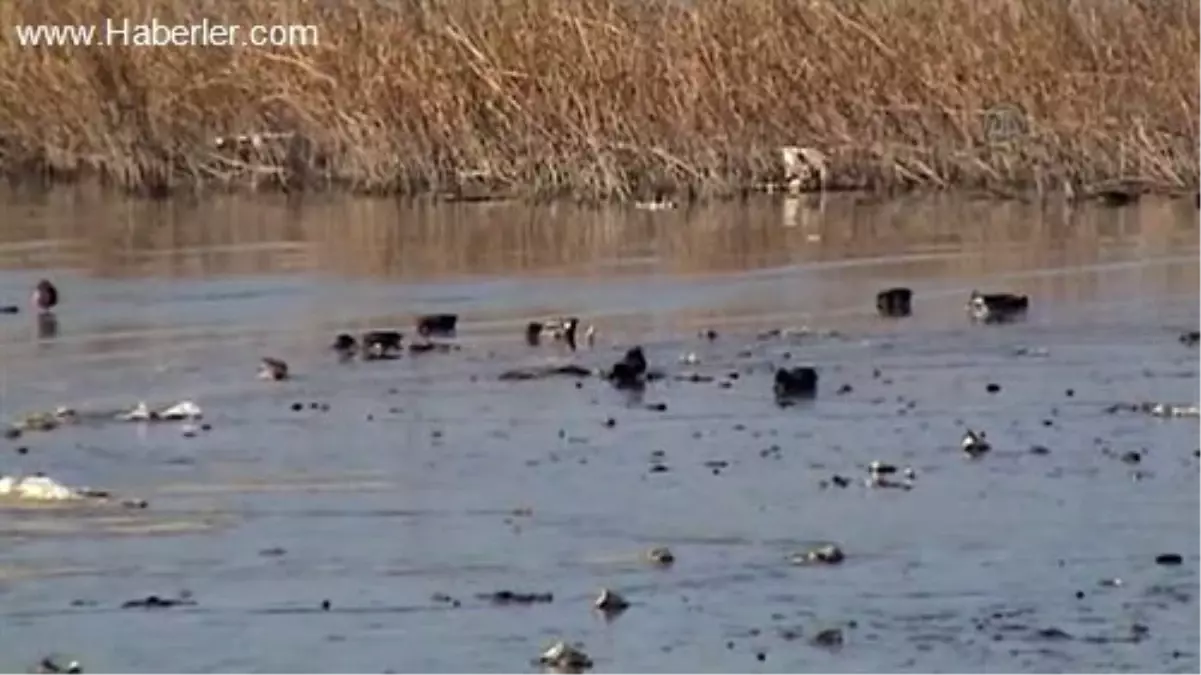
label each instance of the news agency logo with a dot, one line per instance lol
(1005, 122)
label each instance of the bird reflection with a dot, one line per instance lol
(47, 326)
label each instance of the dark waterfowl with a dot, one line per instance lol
(345, 345)
(437, 324)
(9, 309)
(974, 443)
(894, 302)
(630, 371)
(1190, 338)
(381, 344)
(564, 658)
(562, 329)
(45, 296)
(996, 307)
(49, 665)
(273, 369)
(610, 603)
(795, 383)
(661, 555)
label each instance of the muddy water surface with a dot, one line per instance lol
(429, 476)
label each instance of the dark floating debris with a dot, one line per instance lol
(156, 602)
(792, 384)
(828, 638)
(437, 324)
(894, 302)
(992, 387)
(1166, 410)
(507, 597)
(996, 307)
(544, 372)
(1169, 559)
(1190, 338)
(974, 443)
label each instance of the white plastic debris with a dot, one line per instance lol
(38, 488)
(184, 410)
(140, 413)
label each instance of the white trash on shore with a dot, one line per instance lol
(184, 410)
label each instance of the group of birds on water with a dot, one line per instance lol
(632, 370)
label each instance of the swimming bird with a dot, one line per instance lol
(345, 345)
(48, 665)
(996, 307)
(273, 369)
(894, 302)
(974, 444)
(381, 344)
(630, 371)
(609, 602)
(560, 329)
(800, 382)
(437, 324)
(45, 296)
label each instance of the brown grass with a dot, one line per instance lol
(615, 98)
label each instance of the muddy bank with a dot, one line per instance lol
(618, 100)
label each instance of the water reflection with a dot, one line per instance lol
(47, 326)
(226, 235)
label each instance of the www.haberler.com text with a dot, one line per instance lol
(128, 33)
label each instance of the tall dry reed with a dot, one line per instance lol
(616, 98)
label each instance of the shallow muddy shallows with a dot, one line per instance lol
(422, 512)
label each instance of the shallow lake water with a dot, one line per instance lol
(427, 475)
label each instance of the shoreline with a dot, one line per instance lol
(614, 101)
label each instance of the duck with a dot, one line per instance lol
(565, 658)
(273, 369)
(437, 324)
(610, 602)
(974, 443)
(560, 329)
(630, 371)
(345, 345)
(894, 302)
(49, 665)
(828, 554)
(996, 307)
(45, 296)
(792, 383)
(661, 555)
(381, 344)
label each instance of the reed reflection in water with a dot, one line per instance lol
(229, 235)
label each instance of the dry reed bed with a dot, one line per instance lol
(616, 98)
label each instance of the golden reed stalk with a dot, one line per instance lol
(623, 99)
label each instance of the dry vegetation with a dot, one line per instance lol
(615, 98)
